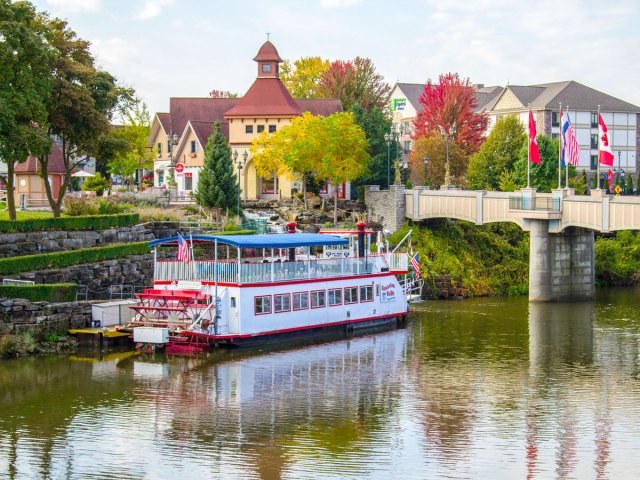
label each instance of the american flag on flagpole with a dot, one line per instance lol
(415, 264)
(570, 145)
(184, 253)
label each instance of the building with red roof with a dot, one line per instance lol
(180, 135)
(29, 184)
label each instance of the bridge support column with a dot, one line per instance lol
(561, 265)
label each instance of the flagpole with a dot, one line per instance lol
(529, 153)
(560, 151)
(566, 164)
(598, 168)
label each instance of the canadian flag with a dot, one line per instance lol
(534, 153)
(609, 178)
(605, 155)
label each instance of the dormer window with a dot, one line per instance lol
(266, 68)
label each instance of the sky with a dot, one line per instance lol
(186, 48)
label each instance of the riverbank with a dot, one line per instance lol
(460, 259)
(29, 343)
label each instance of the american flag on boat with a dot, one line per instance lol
(184, 253)
(415, 264)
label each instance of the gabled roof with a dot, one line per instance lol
(320, 106)
(268, 53)
(487, 97)
(525, 95)
(412, 92)
(56, 162)
(203, 130)
(204, 109)
(165, 121)
(266, 97)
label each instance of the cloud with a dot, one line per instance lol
(338, 3)
(152, 8)
(76, 6)
(115, 54)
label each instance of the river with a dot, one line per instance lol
(492, 388)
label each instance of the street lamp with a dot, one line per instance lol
(446, 133)
(618, 172)
(387, 138)
(240, 165)
(426, 170)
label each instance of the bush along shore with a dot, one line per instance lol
(460, 259)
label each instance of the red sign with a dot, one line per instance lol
(188, 175)
(179, 167)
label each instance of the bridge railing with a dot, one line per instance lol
(548, 204)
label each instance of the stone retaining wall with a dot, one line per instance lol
(31, 243)
(386, 206)
(131, 270)
(18, 316)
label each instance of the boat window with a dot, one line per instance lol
(335, 297)
(233, 302)
(318, 299)
(262, 305)
(366, 293)
(282, 303)
(351, 295)
(300, 301)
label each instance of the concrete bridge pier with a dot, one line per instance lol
(561, 265)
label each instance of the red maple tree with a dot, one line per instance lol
(451, 103)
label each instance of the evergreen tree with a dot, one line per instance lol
(629, 185)
(217, 185)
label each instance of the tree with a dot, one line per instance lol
(217, 185)
(344, 152)
(451, 104)
(374, 123)
(498, 154)
(303, 78)
(135, 132)
(24, 86)
(82, 102)
(355, 81)
(544, 176)
(294, 149)
(434, 148)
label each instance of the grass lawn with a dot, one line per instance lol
(26, 215)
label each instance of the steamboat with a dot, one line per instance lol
(264, 288)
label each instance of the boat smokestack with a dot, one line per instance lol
(291, 228)
(360, 229)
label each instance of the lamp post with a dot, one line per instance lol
(172, 140)
(618, 172)
(446, 133)
(426, 170)
(240, 164)
(387, 138)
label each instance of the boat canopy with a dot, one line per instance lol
(269, 240)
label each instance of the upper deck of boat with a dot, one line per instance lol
(272, 265)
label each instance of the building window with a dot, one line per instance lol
(407, 128)
(594, 140)
(272, 128)
(555, 119)
(260, 128)
(335, 297)
(188, 181)
(194, 146)
(266, 68)
(262, 305)
(248, 129)
(282, 303)
(594, 119)
(300, 301)
(169, 146)
(407, 146)
(318, 299)
(555, 135)
(366, 293)
(350, 295)
(159, 148)
(160, 179)
(594, 162)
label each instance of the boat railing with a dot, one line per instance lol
(274, 271)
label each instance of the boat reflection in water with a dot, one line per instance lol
(485, 388)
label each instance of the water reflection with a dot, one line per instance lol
(487, 388)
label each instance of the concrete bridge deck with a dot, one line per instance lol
(561, 226)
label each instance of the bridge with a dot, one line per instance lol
(561, 226)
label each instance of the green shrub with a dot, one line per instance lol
(14, 345)
(84, 222)
(53, 292)
(96, 184)
(28, 263)
(79, 206)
